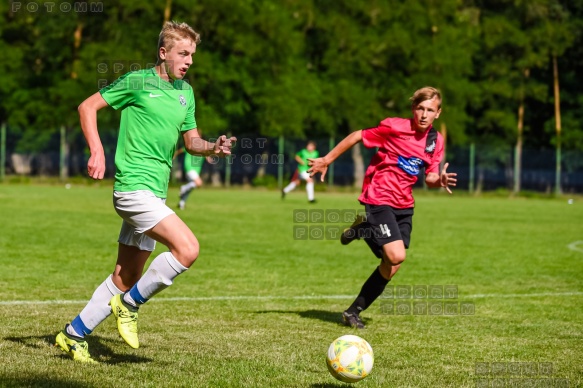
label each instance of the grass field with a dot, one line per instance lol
(259, 308)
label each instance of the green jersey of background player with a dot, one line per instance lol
(302, 157)
(157, 109)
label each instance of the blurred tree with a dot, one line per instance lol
(249, 70)
(517, 37)
(307, 68)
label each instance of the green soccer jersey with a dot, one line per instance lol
(193, 163)
(154, 114)
(305, 155)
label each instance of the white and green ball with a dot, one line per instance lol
(350, 358)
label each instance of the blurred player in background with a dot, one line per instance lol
(192, 168)
(157, 109)
(404, 147)
(301, 172)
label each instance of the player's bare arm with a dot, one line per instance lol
(88, 118)
(196, 145)
(444, 179)
(299, 160)
(178, 152)
(320, 165)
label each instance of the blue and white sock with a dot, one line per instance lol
(160, 274)
(95, 311)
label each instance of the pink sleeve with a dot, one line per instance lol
(377, 136)
(437, 156)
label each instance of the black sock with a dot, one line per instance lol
(371, 290)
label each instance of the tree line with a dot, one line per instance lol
(309, 68)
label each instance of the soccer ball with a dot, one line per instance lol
(349, 358)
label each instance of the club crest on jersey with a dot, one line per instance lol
(430, 148)
(182, 100)
(410, 165)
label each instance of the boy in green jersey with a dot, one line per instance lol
(157, 109)
(302, 157)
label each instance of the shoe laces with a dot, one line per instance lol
(129, 318)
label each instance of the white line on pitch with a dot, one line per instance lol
(267, 298)
(476, 296)
(574, 246)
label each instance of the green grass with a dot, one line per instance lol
(282, 297)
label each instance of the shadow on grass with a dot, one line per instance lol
(99, 350)
(8, 381)
(322, 315)
(328, 385)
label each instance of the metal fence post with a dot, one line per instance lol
(472, 165)
(2, 151)
(281, 149)
(331, 167)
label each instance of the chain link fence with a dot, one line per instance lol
(269, 162)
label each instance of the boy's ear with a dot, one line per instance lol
(162, 53)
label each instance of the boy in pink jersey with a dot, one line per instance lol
(404, 147)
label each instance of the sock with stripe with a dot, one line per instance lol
(95, 311)
(160, 274)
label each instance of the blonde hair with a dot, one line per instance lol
(173, 31)
(424, 94)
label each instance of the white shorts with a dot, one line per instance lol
(140, 210)
(192, 175)
(304, 175)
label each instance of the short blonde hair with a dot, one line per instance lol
(173, 31)
(424, 94)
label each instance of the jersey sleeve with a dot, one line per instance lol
(121, 92)
(189, 120)
(377, 136)
(437, 156)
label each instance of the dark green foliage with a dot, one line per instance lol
(306, 68)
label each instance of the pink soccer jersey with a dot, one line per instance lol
(394, 169)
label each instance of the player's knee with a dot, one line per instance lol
(187, 253)
(395, 258)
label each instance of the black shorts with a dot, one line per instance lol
(385, 224)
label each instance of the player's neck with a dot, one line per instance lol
(161, 70)
(418, 129)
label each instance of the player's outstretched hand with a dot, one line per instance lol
(96, 165)
(223, 145)
(447, 178)
(318, 165)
